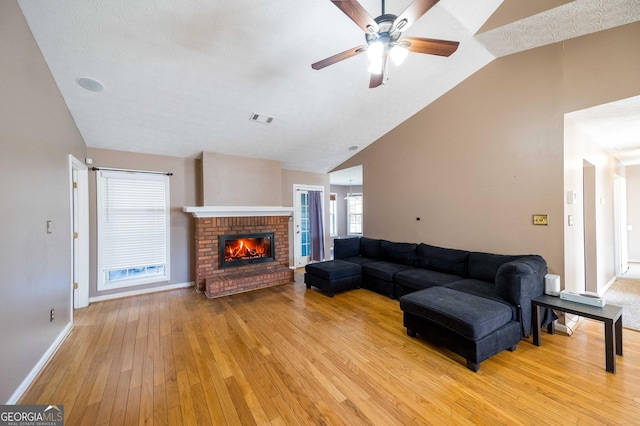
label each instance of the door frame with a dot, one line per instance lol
(296, 216)
(79, 210)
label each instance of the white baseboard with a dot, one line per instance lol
(606, 286)
(140, 292)
(39, 366)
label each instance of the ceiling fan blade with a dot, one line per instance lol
(431, 46)
(412, 13)
(339, 57)
(376, 80)
(358, 14)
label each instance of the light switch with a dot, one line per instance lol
(49, 227)
(629, 227)
(570, 220)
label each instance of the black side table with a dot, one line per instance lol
(611, 315)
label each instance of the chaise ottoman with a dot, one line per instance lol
(333, 276)
(471, 326)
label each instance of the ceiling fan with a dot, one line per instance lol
(383, 36)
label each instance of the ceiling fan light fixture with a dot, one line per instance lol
(375, 51)
(375, 67)
(398, 54)
(383, 36)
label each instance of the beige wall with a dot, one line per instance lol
(480, 161)
(183, 192)
(601, 67)
(37, 134)
(633, 212)
(475, 165)
(229, 180)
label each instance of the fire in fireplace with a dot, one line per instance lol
(237, 250)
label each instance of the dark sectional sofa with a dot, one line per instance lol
(476, 304)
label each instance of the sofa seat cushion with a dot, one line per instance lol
(333, 269)
(482, 289)
(470, 316)
(383, 270)
(423, 278)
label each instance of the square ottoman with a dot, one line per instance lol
(469, 325)
(333, 275)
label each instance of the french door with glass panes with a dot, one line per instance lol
(302, 224)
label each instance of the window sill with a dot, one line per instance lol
(132, 283)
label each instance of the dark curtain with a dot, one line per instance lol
(316, 231)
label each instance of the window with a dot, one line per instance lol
(333, 215)
(354, 213)
(133, 228)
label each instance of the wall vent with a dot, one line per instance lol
(260, 118)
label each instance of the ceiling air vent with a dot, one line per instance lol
(261, 118)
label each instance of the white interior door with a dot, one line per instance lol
(75, 268)
(79, 176)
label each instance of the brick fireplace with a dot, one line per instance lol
(214, 222)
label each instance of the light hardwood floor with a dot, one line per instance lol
(287, 356)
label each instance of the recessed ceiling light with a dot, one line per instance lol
(353, 147)
(90, 84)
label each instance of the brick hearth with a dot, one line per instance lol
(216, 282)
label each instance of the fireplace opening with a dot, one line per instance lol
(237, 250)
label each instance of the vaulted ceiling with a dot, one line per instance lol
(182, 77)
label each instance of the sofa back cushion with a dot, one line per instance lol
(449, 261)
(402, 253)
(346, 247)
(370, 248)
(484, 266)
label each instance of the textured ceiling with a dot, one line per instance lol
(184, 77)
(567, 21)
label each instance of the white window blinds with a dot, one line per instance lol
(133, 228)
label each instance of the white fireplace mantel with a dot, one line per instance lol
(238, 211)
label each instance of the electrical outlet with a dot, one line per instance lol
(52, 315)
